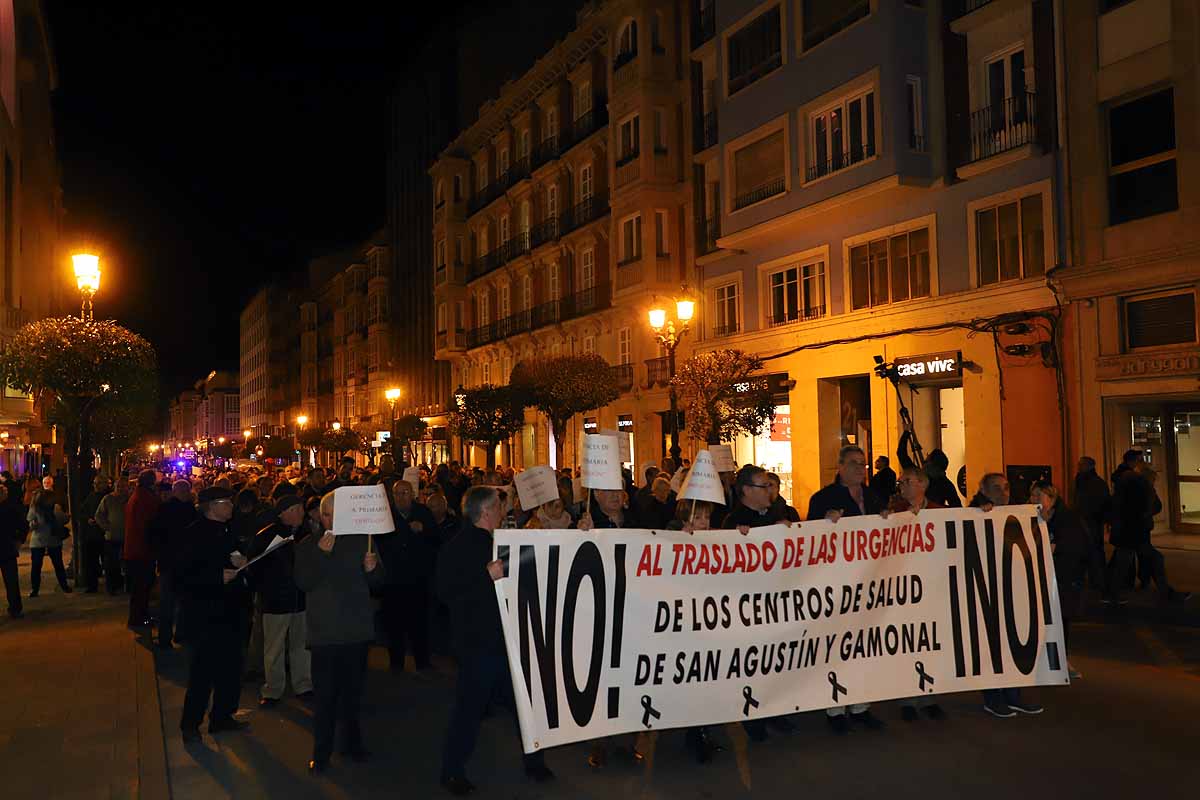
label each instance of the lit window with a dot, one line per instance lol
(842, 134)
(890, 269)
(796, 293)
(1010, 241)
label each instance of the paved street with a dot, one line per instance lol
(1128, 727)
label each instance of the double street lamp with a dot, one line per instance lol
(87, 279)
(669, 333)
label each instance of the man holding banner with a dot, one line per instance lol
(465, 575)
(337, 571)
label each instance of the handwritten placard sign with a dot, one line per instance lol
(601, 461)
(536, 486)
(361, 510)
(623, 443)
(413, 476)
(703, 482)
(722, 456)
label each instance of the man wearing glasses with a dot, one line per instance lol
(848, 496)
(216, 599)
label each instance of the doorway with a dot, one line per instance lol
(1183, 467)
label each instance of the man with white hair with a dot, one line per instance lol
(465, 574)
(337, 573)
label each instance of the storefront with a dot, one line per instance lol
(771, 449)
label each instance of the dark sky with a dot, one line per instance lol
(208, 146)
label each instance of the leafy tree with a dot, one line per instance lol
(722, 396)
(488, 415)
(409, 429)
(563, 386)
(311, 437)
(365, 437)
(77, 369)
(222, 450)
(278, 448)
(343, 440)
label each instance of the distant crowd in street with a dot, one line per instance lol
(251, 579)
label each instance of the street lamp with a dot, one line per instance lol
(392, 395)
(302, 420)
(337, 426)
(87, 278)
(669, 333)
(246, 434)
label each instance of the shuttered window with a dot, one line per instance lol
(1161, 320)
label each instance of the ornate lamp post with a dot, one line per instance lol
(302, 421)
(392, 395)
(87, 278)
(669, 333)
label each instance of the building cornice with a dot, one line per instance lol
(1156, 268)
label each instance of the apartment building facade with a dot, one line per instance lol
(1133, 166)
(560, 216)
(35, 281)
(878, 178)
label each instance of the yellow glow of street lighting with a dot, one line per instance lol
(685, 310)
(247, 433)
(87, 272)
(221, 439)
(337, 426)
(392, 395)
(658, 318)
(302, 420)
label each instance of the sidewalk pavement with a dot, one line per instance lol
(80, 716)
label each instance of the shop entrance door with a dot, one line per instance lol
(1183, 467)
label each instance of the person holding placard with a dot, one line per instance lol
(215, 599)
(465, 576)
(282, 602)
(408, 553)
(337, 574)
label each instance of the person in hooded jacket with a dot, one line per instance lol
(13, 529)
(167, 532)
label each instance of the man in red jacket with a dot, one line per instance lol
(138, 552)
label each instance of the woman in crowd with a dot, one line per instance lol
(47, 524)
(1069, 543)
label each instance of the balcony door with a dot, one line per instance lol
(1005, 74)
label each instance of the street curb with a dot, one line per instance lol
(153, 781)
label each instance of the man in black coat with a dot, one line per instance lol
(408, 553)
(465, 574)
(215, 598)
(168, 532)
(282, 603)
(92, 541)
(13, 529)
(849, 496)
(1093, 503)
(884, 479)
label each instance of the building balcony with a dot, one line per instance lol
(1007, 126)
(455, 273)
(795, 315)
(514, 248)
(658, 372)
(622, 377)
(587, 210)
(628, 169)
(588, 123)
(484, 264)
(960, 8)
(546, 231)
(728, 329)
(624, 57)
(705, 132)
(581, 303)
(704, 24)
(839, 162)
(760, 193)
(760, 70)
(451, 340)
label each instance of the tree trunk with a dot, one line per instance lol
(560, 436)
(491, 455)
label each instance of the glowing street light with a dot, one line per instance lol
(87, 279)
(669, 333)
(247, 433)
(302, 420)
(337, 426)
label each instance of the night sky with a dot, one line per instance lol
(207, 147)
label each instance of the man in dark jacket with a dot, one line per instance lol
(13, 529)
(215, 597)
(1093, 503)
(282, 604)
(92, 541)
(849, 496)
(465, 574)
(941, 488)
(883, 482)
(336, 574)
(138, 550)
(408, 553)
(167, 532)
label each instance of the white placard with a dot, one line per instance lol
(623, 442)
(676, 480)
(722, 456)
(536, 486)
(579, 493)
(720, 627)
(600, 459)
(413, 476)
(361, 510)
(703, 482)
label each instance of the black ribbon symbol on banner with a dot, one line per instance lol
(750, 701)
(837, 687)
(649, 709)
(924, 676)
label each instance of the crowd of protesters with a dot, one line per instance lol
(252, 580)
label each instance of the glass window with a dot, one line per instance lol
(624, 346)
(587, 269)
(842, 135)
(552, 281)
(725, 310)
(824, 18)
(660, 130)
(796, 293)
(1142, 179)
(583, 99)
(527, 292)
(1010, 241)
(916, 114)
(661, 240)
(755, 50)
(759, 170)
(585, 182)
(890, 269)
(1161, 320)
(630, 138)
(631, 238)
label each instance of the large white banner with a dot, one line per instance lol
(623, 630)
